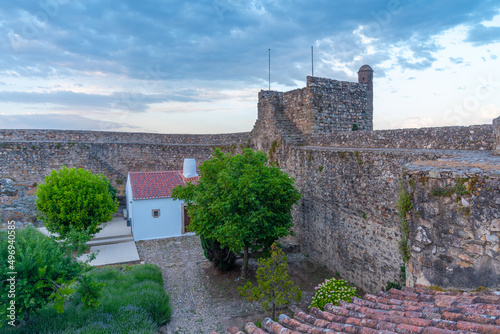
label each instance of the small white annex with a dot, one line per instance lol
(152, 211)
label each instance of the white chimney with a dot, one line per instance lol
(189, 168)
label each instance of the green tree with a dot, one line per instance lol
(241, 202)
(35, 270)
(274, 287)
(75, 200)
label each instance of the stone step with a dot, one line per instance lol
(110, 240)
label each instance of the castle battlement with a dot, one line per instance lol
(325, 105)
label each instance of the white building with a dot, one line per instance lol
(153, 213)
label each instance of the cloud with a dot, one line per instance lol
(132, 101)
(457, 60)
(57, 121)
(220, 39)
(481, 35)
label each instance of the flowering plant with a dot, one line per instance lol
(332, 291)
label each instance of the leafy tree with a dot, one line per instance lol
(73, 199)
(38, 272)
(241, 202)
(274, 287)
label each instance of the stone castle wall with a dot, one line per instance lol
(339, 105)
(475, 137)
(346, 218)
(349, 181)
(121, 137)
(454, 226)
(297, 106)
(324, 106)
(26, 163)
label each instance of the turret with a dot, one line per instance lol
(365, 76)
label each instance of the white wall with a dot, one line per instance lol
(145, 227)
(128, 192)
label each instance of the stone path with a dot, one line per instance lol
(194, 310)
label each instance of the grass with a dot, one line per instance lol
(133, 301)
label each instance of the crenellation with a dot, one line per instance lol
(474, 137)
(37, 135)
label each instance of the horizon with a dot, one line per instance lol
(196, 67)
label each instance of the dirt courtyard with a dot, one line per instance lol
(205, 299)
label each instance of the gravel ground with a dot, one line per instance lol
(186, 275)
(204, 299)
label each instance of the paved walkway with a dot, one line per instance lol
(114, 244)
(194, 309)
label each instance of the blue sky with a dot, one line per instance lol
(197, 66)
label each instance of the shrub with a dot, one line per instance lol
(133, 301)
(332, 291)
(140, 285)
(45, 272)
(274, 287)
(404, 205)
(75, 200)
(223, 258)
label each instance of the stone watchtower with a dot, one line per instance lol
(365, 76)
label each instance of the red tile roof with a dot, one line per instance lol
(410, 310)
(148, 185)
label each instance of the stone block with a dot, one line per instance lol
(496, 136)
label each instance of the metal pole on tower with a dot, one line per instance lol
(269, 69)
(312, 60)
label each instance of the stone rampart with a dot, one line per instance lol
(26, 164)
(347, 217)
(323, 106)
(122, 137)
(475, 137)
(454, 222)
(349, 181)
(339, 105)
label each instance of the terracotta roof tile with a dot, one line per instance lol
(148, 185)
(411, 310)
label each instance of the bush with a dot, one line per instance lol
(140, 285)
(75, 200)
(332, 291)
(44, 273)
(133, 301)
(222, 258)
(274, 287)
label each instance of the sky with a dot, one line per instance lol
(197, 66)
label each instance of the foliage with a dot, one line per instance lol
(332, 291)
(112, 190)
(133, 301)
(355, 127)
(398, 285)
(274, 287)
(404, 206)
(459, 189)
(392, 285)
(240, 201)
(45, 272)
(223, 258)
(73, 199)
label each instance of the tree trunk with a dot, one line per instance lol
(244, 268)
